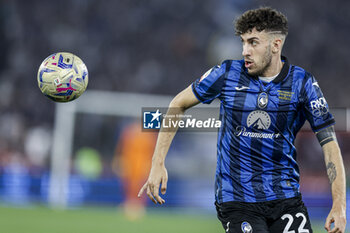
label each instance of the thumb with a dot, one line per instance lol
(164, 185)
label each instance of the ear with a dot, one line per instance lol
(277, 45)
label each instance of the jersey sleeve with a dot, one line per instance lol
(315, 106)
(208, 87)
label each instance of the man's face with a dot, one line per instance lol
(256, 52)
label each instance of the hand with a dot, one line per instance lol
(338, 217)
(158, 176)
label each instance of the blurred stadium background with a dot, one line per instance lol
(61, 165)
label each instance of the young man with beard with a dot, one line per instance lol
(264, 103)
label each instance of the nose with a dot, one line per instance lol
(246, 50)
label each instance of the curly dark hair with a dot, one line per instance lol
(264, 18)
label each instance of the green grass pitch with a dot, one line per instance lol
(97, 220)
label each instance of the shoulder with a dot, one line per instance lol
(221, 72)
(233, 63)
(305, 82)
(301, 74)
(231, 66)
(225, 67)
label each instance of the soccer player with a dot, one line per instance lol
(264, 102)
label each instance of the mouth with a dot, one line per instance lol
(248, 64)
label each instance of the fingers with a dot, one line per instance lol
(142, 190)
(328, 223)
(335, 230)
(149, 194)
(339, 226)
(156, 195)
(152, 192)
(164, 185)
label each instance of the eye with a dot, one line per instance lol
(254, 42)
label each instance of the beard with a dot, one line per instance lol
(265, 64)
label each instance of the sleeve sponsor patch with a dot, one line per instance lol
(319, 107)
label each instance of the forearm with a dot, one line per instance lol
(177, 107)
(166, 136)
(336, 173)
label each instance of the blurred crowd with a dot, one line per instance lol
(155, 46)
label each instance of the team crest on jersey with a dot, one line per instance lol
(262, 100)
(259, 119)
(246, 227)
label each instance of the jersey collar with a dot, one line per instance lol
(284, 72)
(282, 75)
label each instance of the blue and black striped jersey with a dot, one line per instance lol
(256, 156)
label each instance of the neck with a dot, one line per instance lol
(275, 66)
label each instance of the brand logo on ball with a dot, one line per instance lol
(57, 81)
(263, 99)
(259, 119)
(246, 227)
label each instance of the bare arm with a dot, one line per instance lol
(336, 175)
(178, 106)
(158, 174)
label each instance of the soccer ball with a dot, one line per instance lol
(62, 77)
